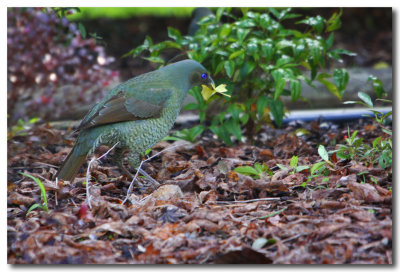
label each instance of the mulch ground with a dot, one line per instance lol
(204, 212)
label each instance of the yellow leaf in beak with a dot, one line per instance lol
(206, 92)
(222, 90)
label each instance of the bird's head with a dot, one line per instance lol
(200, 76)
(197, 75)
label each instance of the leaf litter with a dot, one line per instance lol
(204, 212)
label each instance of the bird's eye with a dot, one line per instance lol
(204, 76)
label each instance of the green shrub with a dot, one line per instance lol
(259, 59)
(380, 151)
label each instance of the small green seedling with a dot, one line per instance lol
(43, 196)
(294, 165)
(256, 172)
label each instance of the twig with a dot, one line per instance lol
(88, 196)
(248, 201)
(140, 166)
(34, 167)
(73, 202)
(56, 191)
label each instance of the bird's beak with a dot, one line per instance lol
(211, 84)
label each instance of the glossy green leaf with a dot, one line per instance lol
(219, 13)
(279, 85)
(242, 33)
(278, 74)
(301, 168)
(246, 170)
(258, 167)
(283, 61)
(234, 128)
(285, 43)
(329, 41)
(340, 51)
(276, 107)
(252, 48)
(334, 22)
(236, 54)
(317, 166)
(222, 134)
(295, 89)
(279, 13)
(329, 85)
(316, 22)
(247, 68)
(323, 153)
(293, 161)
(267, 50)
(174, 34)
(377, 85)
(245, 23)
(376, 141)
(229, 66)
(219, 68)
(207, 20)
(261, 104)
(148, 42)
(341, 78)
(366, 99)
(225, 30)
(265, 20)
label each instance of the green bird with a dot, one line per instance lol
(136, 114)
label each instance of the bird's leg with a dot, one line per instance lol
(118, 160)
(134, 161)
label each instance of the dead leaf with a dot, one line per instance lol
(365, 192)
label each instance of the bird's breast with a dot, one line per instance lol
(143, 134)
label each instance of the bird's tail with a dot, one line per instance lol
(71, 165)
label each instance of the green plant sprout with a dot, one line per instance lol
(21, 128)
(293, 166)
(43, 197)
(256, 172)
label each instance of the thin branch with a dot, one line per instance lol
(140, 166)
(248, 201)
(56, 191)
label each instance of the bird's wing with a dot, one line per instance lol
(128, 106)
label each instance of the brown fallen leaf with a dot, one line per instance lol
(365, 192)
(277, 186)
(205, 224)
(19, 199)
(206, 196)
(266, 154)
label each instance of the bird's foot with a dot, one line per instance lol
(153, 182)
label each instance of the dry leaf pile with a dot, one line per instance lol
(204, 212)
